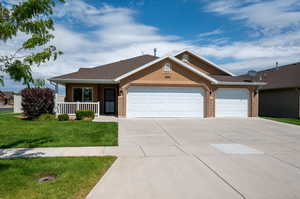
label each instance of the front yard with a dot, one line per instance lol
(74, 177)
(16, 133)
(285, 120)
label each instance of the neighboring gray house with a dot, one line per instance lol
(281, 96)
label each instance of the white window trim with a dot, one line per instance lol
(82, 93)
(185, 57)
(167, 68)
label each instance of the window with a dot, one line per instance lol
(167, 68)
(82, 94)
(185, 58)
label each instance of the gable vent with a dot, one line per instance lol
(185, 58)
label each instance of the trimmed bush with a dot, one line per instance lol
(47, 117)
(37, 101)
(85, 114)
(63, 117)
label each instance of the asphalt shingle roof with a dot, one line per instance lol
(109, 71)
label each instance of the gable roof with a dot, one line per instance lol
(173, 59)
(205, 60)
(114, 72)
(286, 76)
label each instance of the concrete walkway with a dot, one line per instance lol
(130, 151)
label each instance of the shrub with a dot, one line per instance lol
(37, 101)
(63, 117)
(85, 114)
(47, 117)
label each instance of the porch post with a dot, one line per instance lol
(98, 109)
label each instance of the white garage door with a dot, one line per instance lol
(164, 102)
(232, 102)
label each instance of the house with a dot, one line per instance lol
(6, 98)
(281, 96)
(183, 84)
(2, 98)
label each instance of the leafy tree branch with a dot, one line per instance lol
(31, 18)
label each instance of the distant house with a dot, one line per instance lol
(280, 97)
(182, 84)
(2, 98)
(6, 98)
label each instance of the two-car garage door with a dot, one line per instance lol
(165, 102)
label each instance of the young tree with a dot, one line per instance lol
(33, 19)
(39, 83)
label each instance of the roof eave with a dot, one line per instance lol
(240, 83)
(90, 81)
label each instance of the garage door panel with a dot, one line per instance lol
(232, 102)
(164, 102)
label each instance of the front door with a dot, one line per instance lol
(109, 100)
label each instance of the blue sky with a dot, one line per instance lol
(237, 35)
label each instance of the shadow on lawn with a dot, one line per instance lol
(27, 142)
(16, 153)
(4, 166)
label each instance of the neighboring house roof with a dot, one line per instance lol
(2, 95)
(114, 72)
(6, 94)
(287, 76)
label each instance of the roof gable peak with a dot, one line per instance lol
(203, 59)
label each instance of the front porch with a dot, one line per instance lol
(105, 94)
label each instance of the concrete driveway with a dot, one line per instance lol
(203, 158)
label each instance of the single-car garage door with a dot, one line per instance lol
(164, 102)
(232, 102)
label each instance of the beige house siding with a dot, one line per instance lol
(180, 77)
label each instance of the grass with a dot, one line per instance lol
(16, 133)
(285, 120)
(75, 177)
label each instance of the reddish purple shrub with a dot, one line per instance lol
(37, 101)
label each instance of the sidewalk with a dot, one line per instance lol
(128, 151)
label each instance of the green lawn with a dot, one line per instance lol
(16, 132)
(75, 177)
(285, 120)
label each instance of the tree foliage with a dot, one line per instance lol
(39, 83)
(31, 18)
(37, 101)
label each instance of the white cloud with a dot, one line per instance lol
(267, 16)
(111, 34)
(207, 34)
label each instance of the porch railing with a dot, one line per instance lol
(70, 107)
